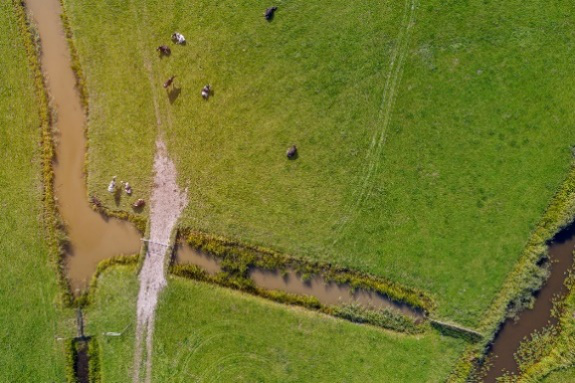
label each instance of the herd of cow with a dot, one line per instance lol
(178, 38)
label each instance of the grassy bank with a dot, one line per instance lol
(205, 333)
(113, 310)
(474, 141)
(30, 312)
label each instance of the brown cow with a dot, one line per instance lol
(164, 50)
(169, 82)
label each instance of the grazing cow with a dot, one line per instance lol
(139, 203)
(291, 152)
(96, 202)
(169, 82)
(206, 91)
(269, 13)
(128, 188)
(112, 185)
(178, 38)
(164, 50)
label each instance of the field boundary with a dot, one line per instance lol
(526, 277)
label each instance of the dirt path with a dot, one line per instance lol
(166, 206)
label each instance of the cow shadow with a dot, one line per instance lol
(173, 94)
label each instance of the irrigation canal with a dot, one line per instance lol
(93, 237)
(328, 293)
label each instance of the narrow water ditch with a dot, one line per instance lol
(92, 237)
(327, 292)
(501, 355)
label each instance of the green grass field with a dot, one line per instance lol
(431, 137)
(210, 334)
(30, 317)
(114, 310)
(206, 333)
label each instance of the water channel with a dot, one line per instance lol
(92, 236)
(508, 339)
(328, 293)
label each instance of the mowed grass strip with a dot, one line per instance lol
(30, 317)
(210, 334)
(428, 151)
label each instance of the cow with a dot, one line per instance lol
(169, 82)
(269, 13)
(178, 38)
(206, 92)
(291, 153)
(164, 50)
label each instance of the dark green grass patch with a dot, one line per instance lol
(427, 154)
(206, 333)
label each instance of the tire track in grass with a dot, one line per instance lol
(378, 139)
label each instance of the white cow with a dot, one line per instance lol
(178, 38)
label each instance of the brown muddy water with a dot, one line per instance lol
(501, 356)
(92, 236)
(328, 293)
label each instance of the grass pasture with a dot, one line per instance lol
(210, 334)
(431, 136)
(113, 310)
(30, 314)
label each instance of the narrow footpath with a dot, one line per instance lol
(167, 204)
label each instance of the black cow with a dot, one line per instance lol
(269, 13)
(291, 152)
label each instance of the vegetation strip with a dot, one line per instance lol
(237, 259)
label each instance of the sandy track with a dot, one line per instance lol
(166, 206)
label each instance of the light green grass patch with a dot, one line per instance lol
(31, 319)
(427, 153)
(210, 334)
